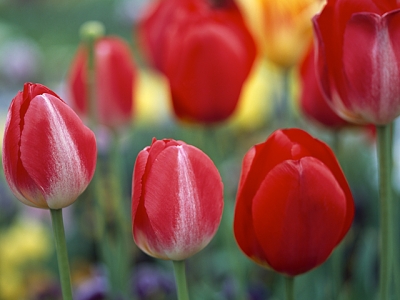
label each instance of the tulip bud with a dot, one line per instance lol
(358, 61)
(177, 200)
(205, 51)
(49, 155)
(115, 75)
(293, 205)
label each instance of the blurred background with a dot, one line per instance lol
(38, 40)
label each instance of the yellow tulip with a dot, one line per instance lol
(282, 28)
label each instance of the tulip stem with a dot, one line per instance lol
(122, 258)
(283, 110)
(180, 279)
(289, 284)
(90, 32)
(386, 208)
(62, 254)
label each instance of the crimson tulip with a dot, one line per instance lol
(358, 59)
(312, 101)
(206, 52)
(293, 204)
(177, 200)
(49, 155)
(115, 81)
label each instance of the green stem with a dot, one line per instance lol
(336, 262)
(62, 254)
(90, 32)
(283, 109)
(121, 266)
(180, 279)
(386, 208)
(336, 259)
(117, 184)
(289, 285)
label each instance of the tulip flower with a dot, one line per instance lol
(177, 200)
(115, 75)
(205, 51)
(312, 101)
(293, 205)
(358, 67)
(49, 155)
(358, 59)
(282, 28)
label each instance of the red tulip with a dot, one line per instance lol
(358, 52)
(293, 205)
(312, 101)
(177, 200)
(115, 78)
(156, 26)
(205, 51)
(49, 155)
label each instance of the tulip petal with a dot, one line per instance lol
(299, 212)
(371, 67)
(312, 101)
(115, 81)
(329, 64)
(242, 226)
(151, 30)
(138, 173)
(22, 185)
(246, 165)
(143, 233)
(205, 83)
(191, 78)
(261, 159)
(56, 159)
(187, 182)
(76, 81)
(323, 153)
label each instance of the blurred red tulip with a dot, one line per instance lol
(312, 101)
(294, 205)
(177, 200)
(358, 52)
(49, 155)
(205, 51)
(115, 80)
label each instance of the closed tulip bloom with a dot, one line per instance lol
(115, 81)
(358, 59)
(312, 101)
(293, 205)
(205, 51)
(177, 200)
(49, 155)
(155, 28)
(282, 28)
